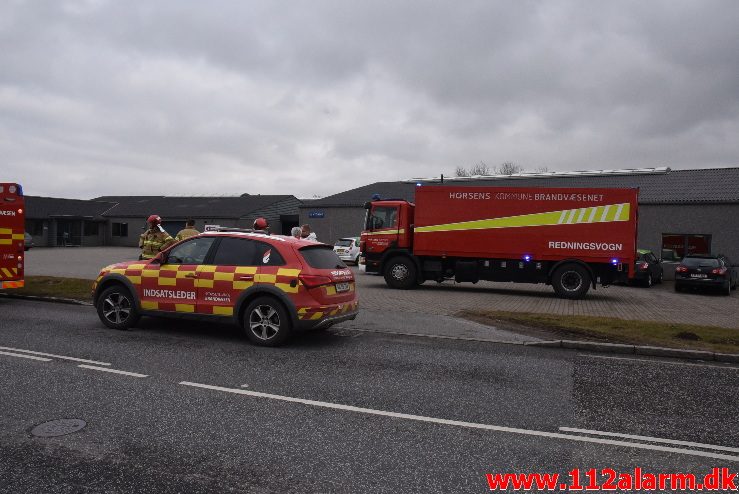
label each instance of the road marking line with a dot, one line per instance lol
(25, 356)
(55, 356)
(114, 371)
(651, 439)
(659, 361)
(471, 425)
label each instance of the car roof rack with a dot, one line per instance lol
(238, 230)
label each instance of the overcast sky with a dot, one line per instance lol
(317, 97)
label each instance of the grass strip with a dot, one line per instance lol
(51, 286)
(614, 330)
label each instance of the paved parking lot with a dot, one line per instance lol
(659, 303)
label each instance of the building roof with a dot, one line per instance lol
(190, 207)
(54, 207)
(662, 186)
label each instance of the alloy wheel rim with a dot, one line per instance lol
(116, 308)
(264, 322)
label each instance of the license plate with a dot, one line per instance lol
(342, 287)
(340, 251)
(695, 275)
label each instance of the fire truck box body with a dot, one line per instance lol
(571, 238)
(12, 235)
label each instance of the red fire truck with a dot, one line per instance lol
(12, 235)
(570, 238)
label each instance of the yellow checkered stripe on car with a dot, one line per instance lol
(608, 213)
(244, 277)
(315, 313)
(8, 236)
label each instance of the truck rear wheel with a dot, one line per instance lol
(571, 281)
(400, 272)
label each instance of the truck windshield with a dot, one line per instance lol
(383, 217)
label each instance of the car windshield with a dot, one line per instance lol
(695, 262)
(344, 242)
(321, 257)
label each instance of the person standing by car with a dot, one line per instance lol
(296, 232)
(188, 231)
(155, 239)
(307, 234)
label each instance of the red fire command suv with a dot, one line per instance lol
(270, 285)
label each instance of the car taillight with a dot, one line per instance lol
(681, 269)
(314, 280)
(643, 265)
(719, 271)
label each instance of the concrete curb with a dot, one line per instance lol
(35, 298)
(652, 351)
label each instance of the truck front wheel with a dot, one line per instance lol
(400, 272)
(571, 281)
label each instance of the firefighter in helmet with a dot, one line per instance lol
(261, 224)
(155, 239)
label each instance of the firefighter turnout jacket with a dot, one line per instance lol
(186, 233)
(153, 241)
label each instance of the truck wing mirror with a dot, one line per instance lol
(367, 205)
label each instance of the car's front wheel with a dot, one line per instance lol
(266, 322)
(400, 272)
(117, 308)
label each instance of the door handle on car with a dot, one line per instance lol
(247, 277)
(191, 275)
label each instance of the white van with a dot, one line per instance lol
(348, 249)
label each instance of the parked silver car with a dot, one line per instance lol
(348, 249)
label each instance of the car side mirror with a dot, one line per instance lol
(159, 258)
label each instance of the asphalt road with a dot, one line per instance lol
(386, 413)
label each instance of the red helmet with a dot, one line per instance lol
(154, 219)
(260, 224)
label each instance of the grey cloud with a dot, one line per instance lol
(318, 97)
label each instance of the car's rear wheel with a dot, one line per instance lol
(727, 290)
(116, 308)
(571, 281)
(266, 322)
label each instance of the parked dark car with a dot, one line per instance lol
(648, 269)
(715, 272)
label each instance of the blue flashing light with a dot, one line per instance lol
(418, 184)
(527, 258)
(614, 261)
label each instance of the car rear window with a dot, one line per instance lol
(344, 243)
(321, 257)
(694, 262)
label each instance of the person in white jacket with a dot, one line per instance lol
(307, 234)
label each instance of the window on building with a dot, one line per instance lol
(676, 246)
(35, 227)
(91, 229)
(120, 229)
